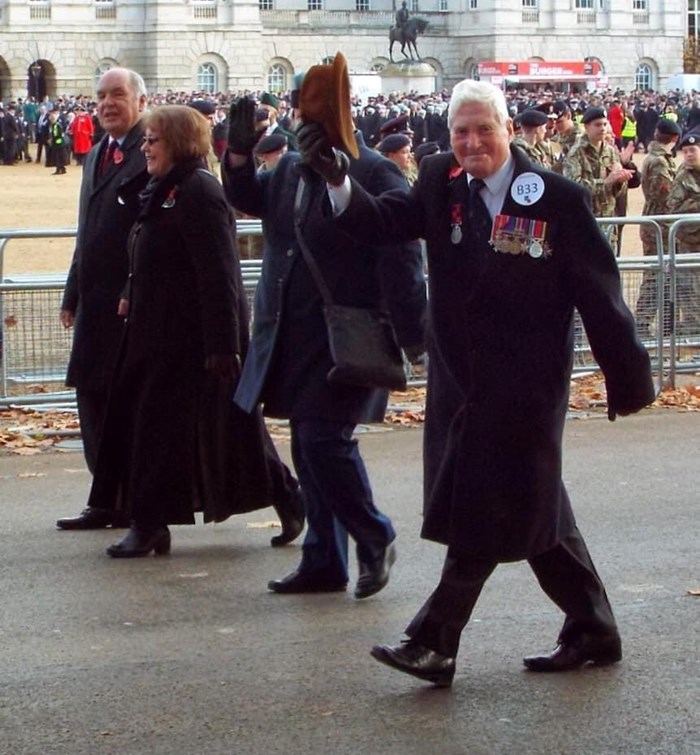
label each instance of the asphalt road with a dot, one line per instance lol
(190, 654)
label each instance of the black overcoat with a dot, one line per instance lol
(172, 433)
(501, 350)
(107, 209)
(289, 356)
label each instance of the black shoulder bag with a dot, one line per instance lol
(362, 341)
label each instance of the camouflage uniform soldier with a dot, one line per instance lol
(597, 166)
(534, 125)
(684, 197)
(658, 172)
(568, 132)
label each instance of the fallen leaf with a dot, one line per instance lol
(263, 525)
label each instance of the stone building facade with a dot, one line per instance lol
(52, 47)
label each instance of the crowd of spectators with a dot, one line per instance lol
(25, 121)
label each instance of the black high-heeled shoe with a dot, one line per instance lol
(139, 542)
(292, 517)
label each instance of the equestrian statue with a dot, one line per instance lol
(406, 31)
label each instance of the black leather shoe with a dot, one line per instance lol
(600, 650)
(93, 518)
(417, 660)
(300, 582)
(140, 542)
(292, 518)
(375, 576)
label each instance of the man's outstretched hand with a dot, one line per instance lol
(242, 134)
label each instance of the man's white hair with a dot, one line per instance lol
(482, 92)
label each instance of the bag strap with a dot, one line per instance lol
(308, 256)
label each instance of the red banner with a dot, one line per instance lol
(541, 70)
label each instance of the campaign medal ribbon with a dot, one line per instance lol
(516, 235)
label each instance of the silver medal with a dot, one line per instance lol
(535, 251)
(456, 235)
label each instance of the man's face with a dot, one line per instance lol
(563, 123)
(119, 107)
(691, 155)
(595, 130)
(480, 143)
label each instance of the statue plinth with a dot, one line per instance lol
(408, 75)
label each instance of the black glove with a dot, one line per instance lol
(242, 135)
(330, 163)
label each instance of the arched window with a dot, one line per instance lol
(101, 69)
(276, 78)
(473, 72)
(207, 78)
(643, 76)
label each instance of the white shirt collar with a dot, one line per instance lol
(497, 182)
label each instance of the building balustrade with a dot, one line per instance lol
(325, 19)
(531, 16)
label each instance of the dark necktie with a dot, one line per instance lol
(478, 214)
(108, 156)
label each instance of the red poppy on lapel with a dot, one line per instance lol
(118, 156)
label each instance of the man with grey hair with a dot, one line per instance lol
(512, 250)
(113, 175)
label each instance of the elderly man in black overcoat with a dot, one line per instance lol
(512, 250)
(289, 356)
(113, 175)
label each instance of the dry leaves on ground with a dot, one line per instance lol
(28, 431)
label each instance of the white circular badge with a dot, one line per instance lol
(527, 189)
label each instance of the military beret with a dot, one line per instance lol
(396, 125)
(270, 100)
(425, 149)
(261, 115)
(560, 108)
(271, 143)
(594, 114)
(205, 107)
(546, 108)
(692, 138)
(668, 127)
(532, 118)
(393, 143)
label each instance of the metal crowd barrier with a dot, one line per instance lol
(34, 347)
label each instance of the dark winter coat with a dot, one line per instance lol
(501, 351)
(289, 356)
(173, 436)
(107, 210)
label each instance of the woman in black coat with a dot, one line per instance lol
(173, 441)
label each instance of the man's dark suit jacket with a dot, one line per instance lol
(108, 207)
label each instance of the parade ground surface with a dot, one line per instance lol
(189, 654)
